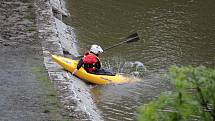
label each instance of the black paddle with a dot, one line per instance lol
(131, 38)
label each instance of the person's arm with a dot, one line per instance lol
(80, 63)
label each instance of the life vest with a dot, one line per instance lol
(90, 61)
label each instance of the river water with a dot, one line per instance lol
(172, 32)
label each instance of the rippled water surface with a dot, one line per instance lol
(173, 32)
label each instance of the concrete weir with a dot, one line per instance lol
(57, 38)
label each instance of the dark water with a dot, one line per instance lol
(172, 32)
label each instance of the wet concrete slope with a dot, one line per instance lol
(20, 92)
(58, 38)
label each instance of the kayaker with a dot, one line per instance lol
(90, 61)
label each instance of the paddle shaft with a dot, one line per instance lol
(132, 38)
(126, 41)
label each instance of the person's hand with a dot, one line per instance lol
(75, 71)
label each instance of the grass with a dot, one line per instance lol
(32, 29)
(30, 15)
(51, 102)
(25, 1)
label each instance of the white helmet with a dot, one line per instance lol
(96, 49)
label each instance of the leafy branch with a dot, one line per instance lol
(192, 99)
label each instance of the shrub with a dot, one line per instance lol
(193, 98)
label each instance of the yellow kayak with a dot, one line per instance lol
(70, 65)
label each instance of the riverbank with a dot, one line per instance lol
(58, 38)
(26, 93)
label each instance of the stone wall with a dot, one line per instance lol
(57, 38)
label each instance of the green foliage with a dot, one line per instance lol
(192, 99)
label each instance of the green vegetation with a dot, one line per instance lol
(32, 29)
(30, 14)
(51, 102)
(26, 1)
(192, 100)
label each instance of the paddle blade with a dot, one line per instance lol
(133, 38)
(132, 35)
